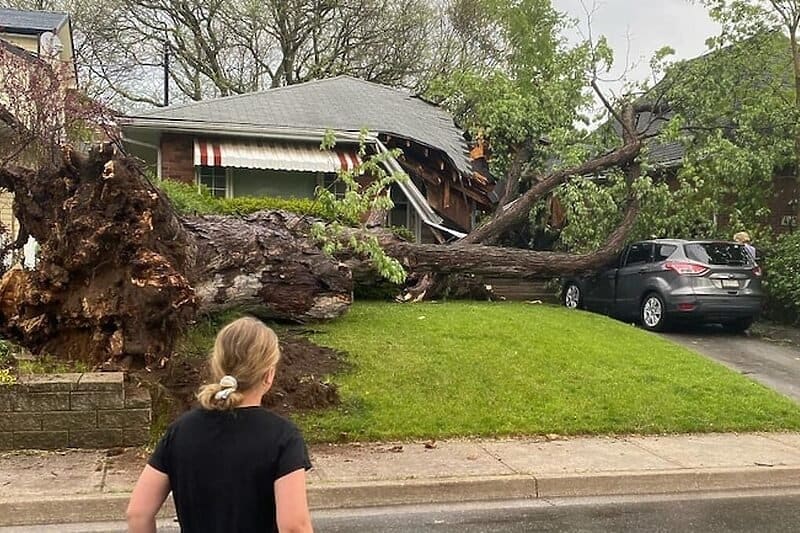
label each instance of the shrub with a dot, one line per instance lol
(189, 200)
(782, 278)
(247, 205)
(6, 363)
(6, 354)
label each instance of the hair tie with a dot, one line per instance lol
(229, 385)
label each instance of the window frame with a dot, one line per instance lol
(339, 187)
(228, 180)
(649, 259)
(658, 256)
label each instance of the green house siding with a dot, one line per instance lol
(282, 184)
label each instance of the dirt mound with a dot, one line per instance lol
(299, 383)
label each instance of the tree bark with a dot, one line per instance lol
(510, 262)
(120, 274)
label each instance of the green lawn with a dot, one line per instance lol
(490, 369)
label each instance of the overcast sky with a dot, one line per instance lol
(647, 25)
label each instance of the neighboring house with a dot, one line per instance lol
(668, 157)
(45, 34)
(9, 223)
(35, 36)
(268, 144)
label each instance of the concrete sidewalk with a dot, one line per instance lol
(55, 487)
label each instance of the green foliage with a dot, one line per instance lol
(247, 205)
(339, 215)
(6, 354)
(736, 113)
(189, 199)
(426, 371)
(594, 209)
(358, 200)
(402, 232)
(45, 364)
(782, 279)
(538, 91)
(7, 375)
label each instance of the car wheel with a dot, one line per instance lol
(653, 313)
(738, 326)
(573, 297)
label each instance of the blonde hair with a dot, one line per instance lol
(245, 349)
(742, 237)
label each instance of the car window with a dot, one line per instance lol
(663, 251)
(718, 253)
(638, 254)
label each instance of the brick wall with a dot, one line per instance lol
(92, 410)
(177, 157)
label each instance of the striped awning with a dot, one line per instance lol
(273, 156)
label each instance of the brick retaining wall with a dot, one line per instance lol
(91, 410)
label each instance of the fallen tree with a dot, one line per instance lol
(120, 274)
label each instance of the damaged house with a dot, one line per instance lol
(268, 144)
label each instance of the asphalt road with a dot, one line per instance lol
(776, 365)
(765, 512)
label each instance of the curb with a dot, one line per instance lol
(111, 507)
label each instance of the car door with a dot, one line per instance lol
(598, 288)
(631, 278)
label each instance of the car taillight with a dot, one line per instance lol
(686, 269)
(757, 271)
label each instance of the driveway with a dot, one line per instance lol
(775, 364)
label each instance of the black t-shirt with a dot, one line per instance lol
(222, 466)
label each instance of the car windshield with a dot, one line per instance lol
(718, 253)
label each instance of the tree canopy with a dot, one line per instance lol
(225, 47)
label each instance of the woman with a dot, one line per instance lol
(232, 466)
(743, 238)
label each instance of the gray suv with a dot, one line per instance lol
(661, 281)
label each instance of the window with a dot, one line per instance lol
(639, 254)
(256, 182)
(215, 178)
(398, 216)
(334, 184)
(718, 253)
(664, 251)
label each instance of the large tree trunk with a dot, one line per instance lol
(266, 262)
(120, 274)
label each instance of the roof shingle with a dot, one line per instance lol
(31, 22)
(343, 104)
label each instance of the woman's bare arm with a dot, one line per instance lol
(148, 496)
(291, 503)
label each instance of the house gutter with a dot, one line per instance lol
(240, 130)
